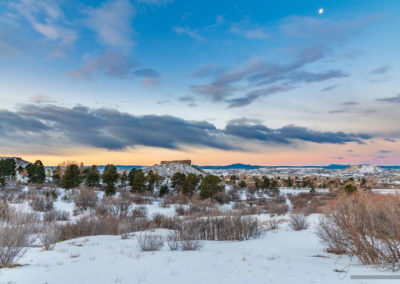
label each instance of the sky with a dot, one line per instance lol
(134, 82)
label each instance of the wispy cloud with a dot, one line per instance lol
(380, 70)
(395, 99)
(46, 18)
(112, 21)
(189, 32)
(254, 33)
(110, 63)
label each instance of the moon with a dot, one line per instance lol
(321, 11)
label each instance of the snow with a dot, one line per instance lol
(168, 170)
(279, 256)
(282, 256)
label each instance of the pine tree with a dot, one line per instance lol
(36, 172)
(190, 184)
(139, 181)
(209, 186)
(110, 177)
(92, 176)
(72, 177)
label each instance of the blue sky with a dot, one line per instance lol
(317, 87)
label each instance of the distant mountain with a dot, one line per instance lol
(232, 167)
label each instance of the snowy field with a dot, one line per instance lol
(278, 256)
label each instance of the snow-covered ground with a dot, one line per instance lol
(281, 256)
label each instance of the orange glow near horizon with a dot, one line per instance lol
(310, 154)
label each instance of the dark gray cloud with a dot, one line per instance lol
(285, 134)
(258, 78)
(11, 122)
(395, 99)
(382, 70)
(390, 140)
(110, 129)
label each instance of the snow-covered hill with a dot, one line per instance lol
(168, 170)
(362, 170)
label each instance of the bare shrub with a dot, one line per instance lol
(161, 221)
(42, 204)
(56, 215)
(225, 228)
(331, 237)
(272, 224)
(138, 212)
(49, 236)
(16, 235)
(365, 225)
(173, 240)
(150, 242)
(189, 241)
(87, 226)
(124, 228)
(86, 199)
(298, 222)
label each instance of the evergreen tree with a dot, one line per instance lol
(72, 177)
(190, 184)
(152, 180)
(177, 180)
(123, 179)
(110, 177)
(242, 184)
(139, 180)
(92, 176)
(266, 183)
(209, 186)
(164, 190)
(57, 173)
(7, 168)
(36, 172)
(131, 176)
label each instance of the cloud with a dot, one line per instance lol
(390, 140)
(329, 88)
(11, 122)
(309, 77)
(146, 72)
(111, 129)
(255, 94)
(112, 21)
(394, 100)
(47, 19)
(286, 134)
(219, 21)
(110, 63)
(209, 70)
(189, 32)
(257, 78)
(385, 151)
(154, 2)
(382, 70)
(256, 33)
(323, 29)
(350, 103)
